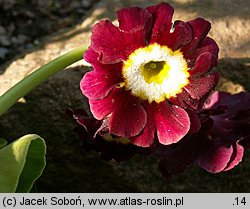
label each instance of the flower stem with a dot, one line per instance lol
(23, 87)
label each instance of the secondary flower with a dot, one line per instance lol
(226, 131)
(149, 74)
(220, 143)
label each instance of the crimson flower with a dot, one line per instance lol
(149, 74)
(227, 131)
(220, 143)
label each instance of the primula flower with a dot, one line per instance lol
(149, 74)
(224, 139)
(219, 145)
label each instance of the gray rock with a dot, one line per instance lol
(20, 39)
(3, 52)
(2, 30)
(4, 40)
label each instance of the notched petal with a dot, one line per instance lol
(200, 28)
(162, 18)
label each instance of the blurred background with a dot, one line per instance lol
(35, 32)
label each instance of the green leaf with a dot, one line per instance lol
(21, 163)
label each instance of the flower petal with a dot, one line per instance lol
(103, 107)
(146, 138)
(200, 86)
(203, 64)
(206, 45)
(181, 36)
(128, 116)
(162, 15)
(98, 83)
(214, 156)
(200, 28)
(135, 20)
(213, 99)
(236, 157)
(172, 123)
(114, 44)
(89, 123)
(235, 102)
(162, 34)
(104, 40)
(184, 100)
(91, 56)
(195, 123)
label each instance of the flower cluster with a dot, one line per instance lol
(149, 90)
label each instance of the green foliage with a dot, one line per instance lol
(21, 163)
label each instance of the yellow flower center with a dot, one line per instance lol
(155, 73)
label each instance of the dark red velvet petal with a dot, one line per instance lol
(91, 56)
(128, 117)
(235, 102)
(203, 64)
(146, 138)
(181, 36)
(206, 45)
(114, 45)
(162, 34)
(162, 16)
(215, 156)
(135, 20)
(184, 100)
(200, 86)
(109, 42)
(213, 99)
(103, 107)
(82, 118)
(200, 28)
(195, 123)
(97, 84)
(172, 123)
(236, 157)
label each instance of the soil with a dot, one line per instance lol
(69, 167)
(23, 23)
